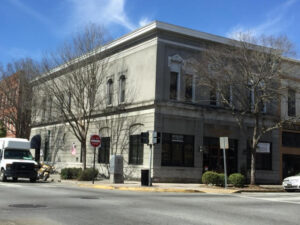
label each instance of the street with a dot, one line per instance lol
(56, 203)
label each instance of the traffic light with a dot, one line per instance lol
(156, 137)
(145, 137)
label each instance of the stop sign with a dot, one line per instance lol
(95, 140)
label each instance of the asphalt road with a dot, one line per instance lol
(54, 204)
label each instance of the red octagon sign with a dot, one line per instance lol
(95, 140)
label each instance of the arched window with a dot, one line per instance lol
(109, 92)
(122, 89)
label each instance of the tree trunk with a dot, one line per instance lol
(83, 149)
(253, 149)
(253, 171)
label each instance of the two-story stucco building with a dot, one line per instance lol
(153, 61)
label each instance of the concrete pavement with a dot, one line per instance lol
(63, 203)
(167, 187)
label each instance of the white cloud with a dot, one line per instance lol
(144, 21)
(105, 12)
(274, 23)
(78, 13)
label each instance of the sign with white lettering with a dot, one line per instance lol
(224, 143)
(263, 147)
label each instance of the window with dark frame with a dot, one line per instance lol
(50, 108)
(173, 85)
(43, 117)
(263, 160)
(177, 150)
(188, 93)
(213, 156)
(291, 102)
(136, 150)
(122, 88)
(291, 139)
(228, 94)
(104, 150)
(69, 101)
(212, 97)
(109, 92)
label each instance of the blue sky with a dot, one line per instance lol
(32, 27)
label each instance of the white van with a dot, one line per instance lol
(16, 160)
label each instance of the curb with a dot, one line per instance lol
(156, 189)
(262, 191)
(141, 189)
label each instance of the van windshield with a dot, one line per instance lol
(17, 154)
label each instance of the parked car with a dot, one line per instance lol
(292, 183)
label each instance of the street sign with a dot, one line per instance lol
(224, 143)
(95, 140)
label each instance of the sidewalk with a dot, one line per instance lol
(167, 187)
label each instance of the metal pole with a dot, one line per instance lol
(94, 164)
(225, 167)
(150, 165)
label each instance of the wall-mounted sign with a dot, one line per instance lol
(177, 138)
(263, 147)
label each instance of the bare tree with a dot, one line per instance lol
(73, 82)
(245, 77)
(15, 96)
(118, 126)
(116, 122)
(2, 129)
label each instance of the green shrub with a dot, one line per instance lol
(88, 174)
(70, 173)
(210, 177)
(237, 180)
(221, 180)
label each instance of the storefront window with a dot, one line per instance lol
(213, 155)
(103, 156)
(177, 150)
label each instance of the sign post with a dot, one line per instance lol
(150, 165)
(95, 141)
(224, 145)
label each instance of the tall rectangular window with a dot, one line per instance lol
(177, 150)
(188, 92)
(228, 94)
(264, 156)
(44, 102)
(212, 97)
(291, 102)
(103, 156)
(173, 85)
(136, 150)
(122, 88)
(109, 92)
(69, 101)
(50, 108)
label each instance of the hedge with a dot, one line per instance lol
(88, 174)
(210, 177)
(70, 173)
(237, 180)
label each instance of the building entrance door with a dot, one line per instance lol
(213, 156)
